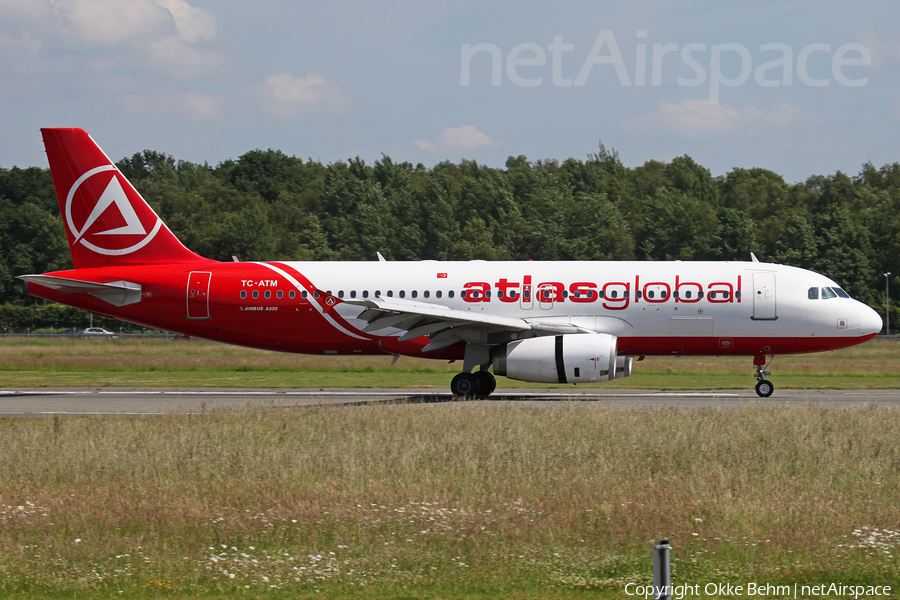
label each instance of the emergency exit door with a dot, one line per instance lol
(198, 295)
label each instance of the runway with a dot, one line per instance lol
(44, 402)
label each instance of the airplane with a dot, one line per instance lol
(546, 322)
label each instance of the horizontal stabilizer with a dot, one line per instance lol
(117, 293)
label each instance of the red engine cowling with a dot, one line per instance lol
(573, 358)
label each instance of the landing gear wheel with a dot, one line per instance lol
(485, 384)
(464, 384)
(765, 388)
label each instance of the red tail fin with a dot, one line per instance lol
(106, 220)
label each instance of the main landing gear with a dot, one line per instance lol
(479, 384)
(764, 388)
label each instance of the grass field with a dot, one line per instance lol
(445, 501)
(156, 363)
(440, 500)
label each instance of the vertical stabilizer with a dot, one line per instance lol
(107, 222)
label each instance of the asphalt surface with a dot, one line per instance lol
(44, 402)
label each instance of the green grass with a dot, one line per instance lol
(445, 501)
(159, 363)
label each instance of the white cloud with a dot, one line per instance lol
(112, 21)
(456, 140)
(99, 23)
(701, 120)
(884, 52)
(194, 24)
(198, 106)
(286, 96)
(175, 57)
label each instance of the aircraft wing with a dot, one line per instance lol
(445, 326)
(118, 293)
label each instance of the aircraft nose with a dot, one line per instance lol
(869, 321)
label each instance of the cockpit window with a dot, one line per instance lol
(814, 293)
(840, 292)
(828, 293)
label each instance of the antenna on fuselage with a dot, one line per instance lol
(380, 257)
(753, 257)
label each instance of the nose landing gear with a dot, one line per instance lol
(764, 388)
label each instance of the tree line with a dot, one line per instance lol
(267, 205)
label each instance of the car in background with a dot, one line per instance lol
(98, 332)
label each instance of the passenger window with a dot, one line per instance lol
(268, 294)
(390, 293)
(340, 293)
(365, 293)
(243, 294)
(813, 293)
(426, 293)
(255, 294)
(414, 293)
(402, 294)
(378, 293)
(450, 294)
(279, 294)
(437, 294)
(828, 293)
(687, 294)
(316, 294)
(725, 295)
(650, 294)
(462, 294)
(353, 293)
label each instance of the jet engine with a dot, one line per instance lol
(573, 358)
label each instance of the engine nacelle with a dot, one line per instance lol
(573, 358)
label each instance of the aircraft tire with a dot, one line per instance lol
(485, 384)
(464, 384)
(764, 388)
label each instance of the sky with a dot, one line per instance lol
(800, 88)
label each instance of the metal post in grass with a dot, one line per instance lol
(887, 303)
(662, 572)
